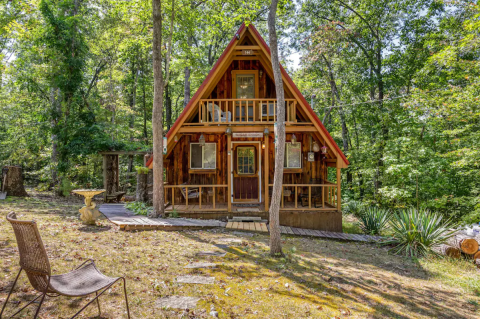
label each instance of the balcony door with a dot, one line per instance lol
(246, 172)
(245, 87)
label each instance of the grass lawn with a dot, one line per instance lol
(317, 279)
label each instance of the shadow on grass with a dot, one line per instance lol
(349, 285)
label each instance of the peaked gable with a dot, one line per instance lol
(287, 82)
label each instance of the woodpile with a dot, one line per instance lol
(460, 245)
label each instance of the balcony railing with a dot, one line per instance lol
(244, 111)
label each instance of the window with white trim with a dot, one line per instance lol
(203, 157)
(293, 155)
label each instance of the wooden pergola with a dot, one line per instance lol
(111, 175)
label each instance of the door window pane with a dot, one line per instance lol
(246, 160)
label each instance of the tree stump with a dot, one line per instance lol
(13, 179)
(142, 190)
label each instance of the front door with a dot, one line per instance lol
(245, 173)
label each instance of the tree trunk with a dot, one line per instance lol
(142, 191)
(186, 90)
(275, 239)
(157, 116)
(12, 181)
(168, 107)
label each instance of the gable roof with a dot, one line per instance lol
(261, 42)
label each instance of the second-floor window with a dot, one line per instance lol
(245, 86)
(203, 157)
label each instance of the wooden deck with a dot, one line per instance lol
(127, 220)
(262, 227)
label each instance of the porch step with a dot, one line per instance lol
(246, 218)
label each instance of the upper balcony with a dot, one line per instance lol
(244, 111)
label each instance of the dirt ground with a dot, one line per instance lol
(318, 278)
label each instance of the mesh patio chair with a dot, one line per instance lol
(86, 279)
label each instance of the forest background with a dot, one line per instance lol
(396, 82)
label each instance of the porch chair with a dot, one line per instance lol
(214, 112)
(192, 192)
(84, 280)
(316, 193)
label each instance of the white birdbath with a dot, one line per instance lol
(88, 213)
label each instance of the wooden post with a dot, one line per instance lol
(104, 176)
(229, 170)
(339, 193)
(266, 177)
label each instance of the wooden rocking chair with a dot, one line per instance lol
(84, 280)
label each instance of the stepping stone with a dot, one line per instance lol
(242, 233)
(246, 218)
(203, 280)
(200, 265)
(177, 302)
(211, 253)
(230, 240)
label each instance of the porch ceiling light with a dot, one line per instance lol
(316, 148)
(266, 131)
(228, 131)
(294, 139)
(202, 140)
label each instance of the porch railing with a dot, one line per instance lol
(245, 111)
(172, 190)
(326, 194)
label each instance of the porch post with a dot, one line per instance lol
(339, 191)
(229, 172)
(265, 176)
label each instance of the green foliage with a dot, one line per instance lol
(373, 220)
(354, 207)
(173, 214)
(142, 169)
(415, 232)
(65, 186)
(139, 208)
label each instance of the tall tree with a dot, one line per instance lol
(275, 240)
(159, 82)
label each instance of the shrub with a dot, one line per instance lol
(416, 232)
(354, 207)
(139, 208)
(373, 220)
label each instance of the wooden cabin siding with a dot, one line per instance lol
(179, 171)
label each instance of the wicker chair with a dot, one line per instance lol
(86, 279)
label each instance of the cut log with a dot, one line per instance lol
(476, 255)
(467, 244)
(13, 181)
(447, 250)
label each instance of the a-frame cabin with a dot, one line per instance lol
(220, 152)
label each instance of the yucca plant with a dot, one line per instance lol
(415, 232)
(373, 219)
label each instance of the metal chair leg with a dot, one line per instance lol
(98, 304)
(11, 290)
(43, 298)
(126, 299)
